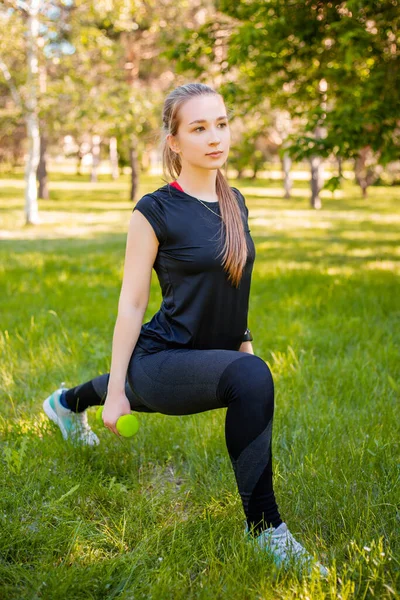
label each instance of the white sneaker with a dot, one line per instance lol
(285, 548)
(73, 425)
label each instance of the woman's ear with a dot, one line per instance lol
(171, 141)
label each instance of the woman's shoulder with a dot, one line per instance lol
(237, 192)
(242, 200)
(156, 198)
(161, 194)
(156, 194)
(240, 196)
(152, 207)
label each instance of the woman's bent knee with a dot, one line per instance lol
(249, 378)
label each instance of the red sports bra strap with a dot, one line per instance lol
(177, 186)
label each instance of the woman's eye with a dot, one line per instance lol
(223, 125)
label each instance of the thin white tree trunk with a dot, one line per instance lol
(316, 181)
(32, 120)
(95, 157)
(41, 174)
(114, 158)
(287, 180)
(317, 174)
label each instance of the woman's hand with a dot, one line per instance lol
(115, 406)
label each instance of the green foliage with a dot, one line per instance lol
(333, 183)
(14, 457)
(283, 50)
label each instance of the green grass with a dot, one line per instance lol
(159, 516)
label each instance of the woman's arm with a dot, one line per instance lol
(141, 251)
(126, 333)
(246, 347)
(140, 254)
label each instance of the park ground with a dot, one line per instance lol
(159, 516)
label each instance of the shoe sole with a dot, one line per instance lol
(51, 413)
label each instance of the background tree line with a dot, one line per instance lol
(307, 81)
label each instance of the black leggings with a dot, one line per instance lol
(185, 381)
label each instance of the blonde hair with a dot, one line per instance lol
(234, 250)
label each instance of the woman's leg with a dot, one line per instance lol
(67, 407)
(248, 434)
(179, 382)
(94, 393)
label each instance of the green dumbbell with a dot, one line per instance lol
(127, 425)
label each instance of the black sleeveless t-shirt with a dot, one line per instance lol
(200, 309)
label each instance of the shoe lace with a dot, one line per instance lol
(80, 424)
(295, 547)
(300, 553)
(82, 420)
(288, 544)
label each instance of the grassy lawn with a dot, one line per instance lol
(159, 516)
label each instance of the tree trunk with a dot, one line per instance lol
(42, 170)
(114, 158)
(316, 174)
(95, 157)
(133, 161)
(287, 181)
(32, 120)
(316, 181)
(340, 166)
(364, 170)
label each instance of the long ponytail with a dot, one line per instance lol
(234, 251)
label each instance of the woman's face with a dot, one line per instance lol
(194, 141)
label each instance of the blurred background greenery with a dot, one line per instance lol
(313, 87)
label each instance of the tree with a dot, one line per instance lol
(287, 49)
(30, 13)
(351, 47)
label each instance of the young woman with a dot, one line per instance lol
(195, 354)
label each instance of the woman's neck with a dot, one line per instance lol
(205, 190)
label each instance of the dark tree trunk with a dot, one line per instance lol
(340, 166)
(79, 163)
(41, 173)
(365, 174)
(133, 161)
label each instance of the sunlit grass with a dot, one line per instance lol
(159, 516)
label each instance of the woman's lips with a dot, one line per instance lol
(215, 154)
